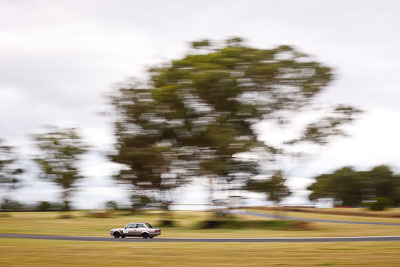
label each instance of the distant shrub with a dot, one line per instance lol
(10, 205)
(273, 224)
(167, 223)
(43, 206)
(227, 223)
(380, 203)
(100, 214)
(111, 205)
(66, 216)
(49, 206)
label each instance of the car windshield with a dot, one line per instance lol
(148, 225)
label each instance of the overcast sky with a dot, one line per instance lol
(58, 58)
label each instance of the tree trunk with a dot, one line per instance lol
(65, 198)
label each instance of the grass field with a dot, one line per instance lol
(43, 253)
(330, 216)
(353, 212)
(394, 212)
(81, 224)
(28, 252)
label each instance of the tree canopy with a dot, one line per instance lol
(274, 187)
(10, 172)
(201, 111)
(60, 149)
(351, 188)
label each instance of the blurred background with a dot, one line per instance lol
(183, 105)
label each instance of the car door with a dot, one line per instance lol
(140, 227)
(130, 229)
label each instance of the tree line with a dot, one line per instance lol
(197, 117)
(378, 188)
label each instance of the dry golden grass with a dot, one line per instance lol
(363, 212)
(45, 253)
(316, 214)
(50, 223)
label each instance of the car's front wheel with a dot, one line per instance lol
(116, 235)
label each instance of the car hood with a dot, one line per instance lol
(117, 229)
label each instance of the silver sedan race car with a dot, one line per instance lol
(144, 230)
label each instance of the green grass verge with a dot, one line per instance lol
(237, 222)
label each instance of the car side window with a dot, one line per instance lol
(132, 225)
(139, 225)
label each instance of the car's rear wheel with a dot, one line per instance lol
(151, 236)
(145, 235)
(116, 234)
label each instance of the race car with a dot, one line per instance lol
(144, 230)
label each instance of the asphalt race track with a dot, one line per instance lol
(221, 240)
(215, 240)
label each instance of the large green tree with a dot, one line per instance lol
(60, 150)
(209, 102)
(219, 92)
